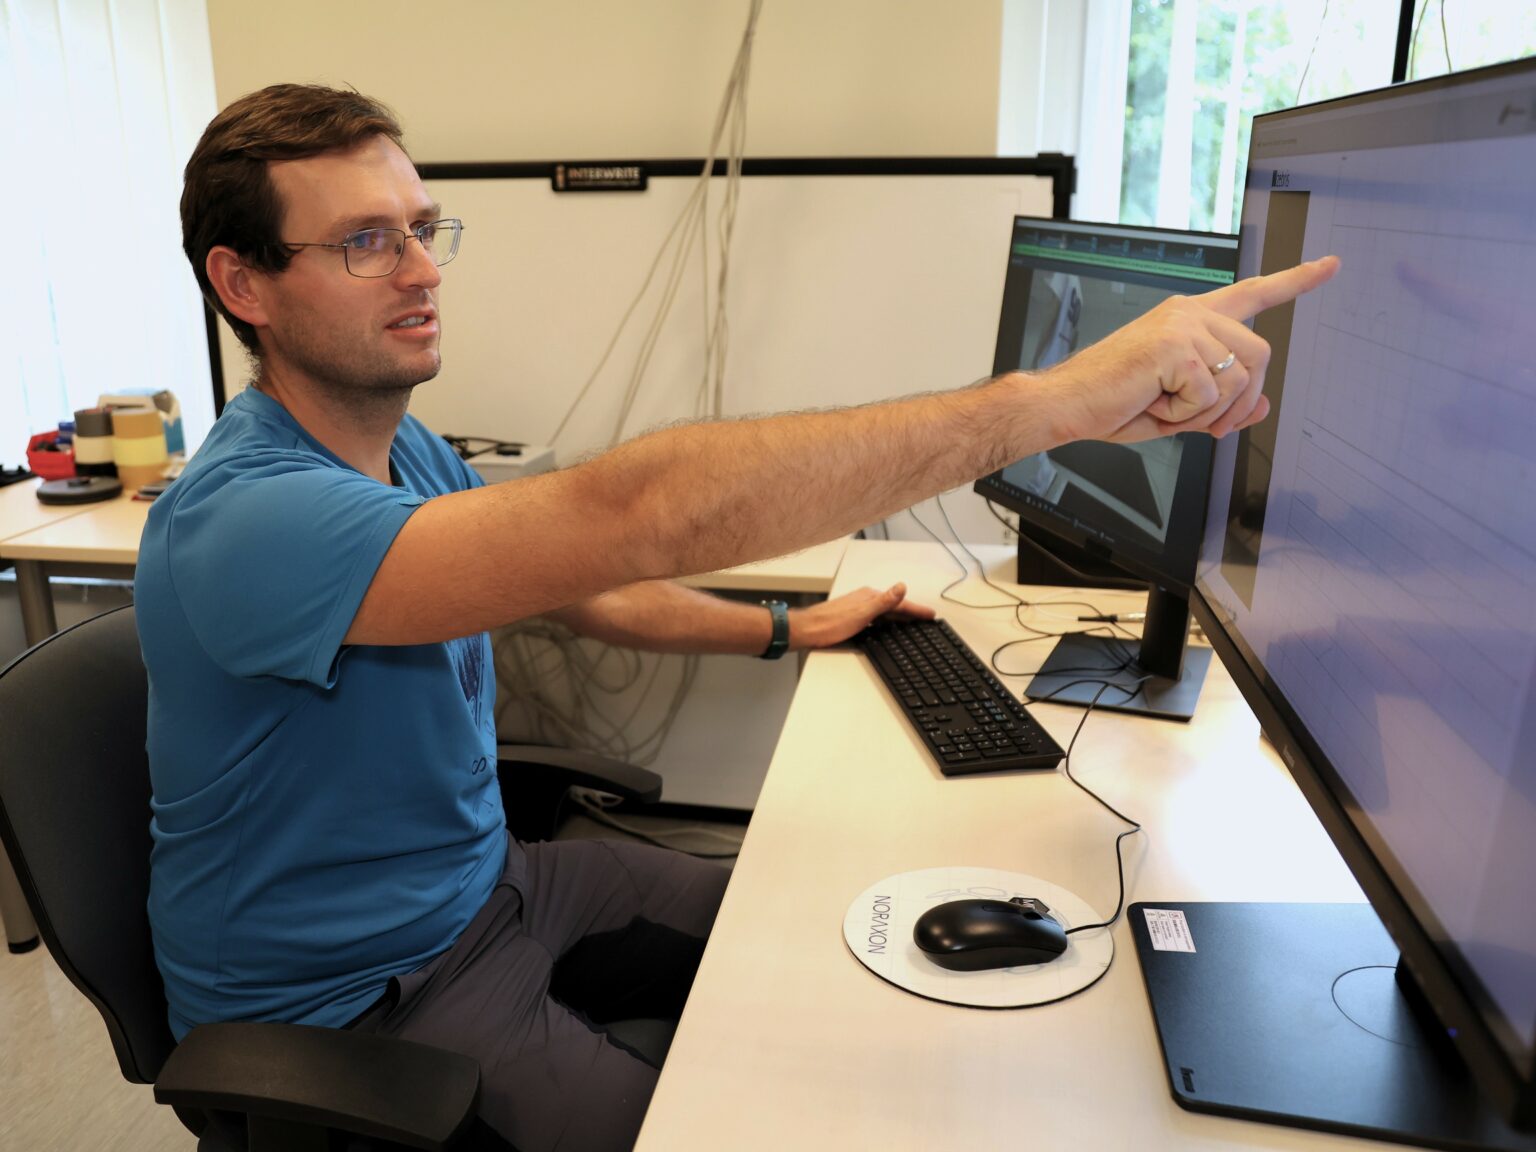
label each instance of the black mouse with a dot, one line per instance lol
(973, 935)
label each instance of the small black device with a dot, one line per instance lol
(467, 446)
(1108, 511)
(976, 934)
(78, 490)
(967, 719)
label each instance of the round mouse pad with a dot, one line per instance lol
(878, 930)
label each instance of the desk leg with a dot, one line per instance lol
(37, 619)
(20, 929)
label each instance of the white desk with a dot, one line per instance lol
(90, 539)
(21, 511)
(788, 1042)
(811, 572)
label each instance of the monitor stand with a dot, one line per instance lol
(1292, 1014)
(1079, 665)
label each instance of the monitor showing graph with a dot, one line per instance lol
(1370, 549)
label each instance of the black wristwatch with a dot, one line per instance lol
(780, 642)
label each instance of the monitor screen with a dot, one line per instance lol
(1369, 557)
(1068, 285)
(1108, 509)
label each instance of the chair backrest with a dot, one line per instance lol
(74, 816)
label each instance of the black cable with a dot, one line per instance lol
(1018, 603)
(1131, 690)
(1014, 602)
(1135, 826)
(980, 567)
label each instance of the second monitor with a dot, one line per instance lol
(1112, 509)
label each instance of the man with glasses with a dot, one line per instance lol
(314, 595)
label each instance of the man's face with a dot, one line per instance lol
(341, 331)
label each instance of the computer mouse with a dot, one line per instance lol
(976, 934)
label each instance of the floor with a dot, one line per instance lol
(59, 1083)
(60, 1088)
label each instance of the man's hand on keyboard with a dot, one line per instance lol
(833, 621)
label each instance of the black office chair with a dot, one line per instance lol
(74, 817)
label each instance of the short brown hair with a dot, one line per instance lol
(227, 196)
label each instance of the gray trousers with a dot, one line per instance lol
(601, 931)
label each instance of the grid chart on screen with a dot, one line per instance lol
(1407, 554)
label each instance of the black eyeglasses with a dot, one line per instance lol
(378, 251)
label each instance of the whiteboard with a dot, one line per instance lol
(849, 282)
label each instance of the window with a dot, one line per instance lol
(1200, 70)
(1454, 35)
(1194, 73)
(100, 105)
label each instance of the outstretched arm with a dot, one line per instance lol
(706, 496)
(660, 616)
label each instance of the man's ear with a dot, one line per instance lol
(238, 286)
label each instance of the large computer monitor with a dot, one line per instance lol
(1111, 510)
(1369, 576)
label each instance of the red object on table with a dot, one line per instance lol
(51, 463)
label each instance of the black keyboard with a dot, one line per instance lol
(968, 720)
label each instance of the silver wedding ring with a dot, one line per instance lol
(1218, 369)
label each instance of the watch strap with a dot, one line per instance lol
(779, 644)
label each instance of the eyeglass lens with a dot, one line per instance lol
(378, 251)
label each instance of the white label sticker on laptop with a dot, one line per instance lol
(1169, 930)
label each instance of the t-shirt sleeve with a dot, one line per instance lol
(270, 565)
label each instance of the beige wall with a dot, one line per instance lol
(615, 79)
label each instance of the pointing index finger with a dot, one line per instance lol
(1247, 298)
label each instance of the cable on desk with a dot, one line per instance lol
(1014, 601)
(1017, 604)
(1135, 826)
(1131, 690)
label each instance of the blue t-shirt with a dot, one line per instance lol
(324, 816)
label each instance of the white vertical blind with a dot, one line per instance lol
(1170, 88)
(101, 102)
(1174, 169)
(1100, 145)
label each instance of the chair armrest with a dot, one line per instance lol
(575, 768)
(358, 1082)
